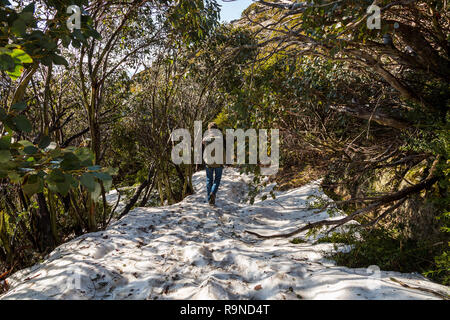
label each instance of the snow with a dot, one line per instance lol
(193, 251)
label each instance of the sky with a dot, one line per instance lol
(232, 10)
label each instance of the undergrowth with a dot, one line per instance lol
(382, 248)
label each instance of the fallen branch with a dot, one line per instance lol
(5, 274)
(320, 223)
(441, 295)
(384, 214)
(136, 195)
(381, 201)
(376, 116)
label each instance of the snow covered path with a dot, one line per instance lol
(192, 251)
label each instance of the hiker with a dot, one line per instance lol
(214, 170)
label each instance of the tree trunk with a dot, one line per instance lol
(43, 224)
(94, 126)
(377, 116)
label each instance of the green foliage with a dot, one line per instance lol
(206, 70)
(338, 237)
(193, 20)
(441, 270)
(297, 241)
(34, 166)
(384, 248)
(256, 186)
(36, 174)
(22, 41)
(300, 90)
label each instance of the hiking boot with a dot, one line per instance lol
(212, 199)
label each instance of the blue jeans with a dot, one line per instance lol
(213, 176)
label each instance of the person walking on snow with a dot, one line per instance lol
(214, 170)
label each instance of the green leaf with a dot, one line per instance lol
(73, 182)
(30, 150)
(55, 153)
(45, 142)
(12, 46)
(33, 184)
(65, 40)
(9, 165)
(48, 44)
(59, 182)
(14, 177)
(46, 61)
(95, 34)
(87, 180)
(58, 60)
(21, 55)
(29, 8)
(5, 155)
(76, 43)
(16, 72)
(22, 123)
(3, 114)
(112, 171)
(70, 162)
(5, 143)
(19, 27)
(56, 176)
(107, 184)
(24, 143)
(19, 106)
(61, 188)
(79, 35)
(6, 62)
(86, 156)
(102, 176)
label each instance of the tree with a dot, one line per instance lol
(401, 91)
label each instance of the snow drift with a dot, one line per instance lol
(192, 251)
